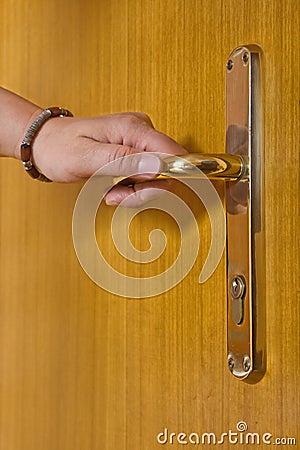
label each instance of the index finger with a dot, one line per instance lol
(156, 141)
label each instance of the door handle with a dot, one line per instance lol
(241, 167)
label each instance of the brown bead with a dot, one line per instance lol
(25, 152)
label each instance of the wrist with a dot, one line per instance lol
(15, 115)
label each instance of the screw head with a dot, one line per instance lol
(229, 64)
(230, 363)
(237, 286)
(245, 57)
(246, 363)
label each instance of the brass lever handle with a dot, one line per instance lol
(215, 166)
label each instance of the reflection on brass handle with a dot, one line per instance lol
(214, 166)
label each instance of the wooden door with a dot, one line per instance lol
(80, 368)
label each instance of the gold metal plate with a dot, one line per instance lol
(245, 221)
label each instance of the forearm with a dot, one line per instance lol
(16, 114)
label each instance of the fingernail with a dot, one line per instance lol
(145, 195)
(150, 164)
(111, 202)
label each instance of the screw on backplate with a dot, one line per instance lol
(230, 363)
(229, 64)
(237, 286)
(246, 363)
(245, 57)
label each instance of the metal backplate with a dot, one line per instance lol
(245, 218)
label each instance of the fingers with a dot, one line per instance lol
(138, 131)
(131, 130)
(116, 160)
(93, 155)
(138, 194)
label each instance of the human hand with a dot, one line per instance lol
(71, 149)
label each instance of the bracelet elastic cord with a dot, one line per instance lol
(26, 146)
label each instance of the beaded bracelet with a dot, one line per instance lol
(26, 145)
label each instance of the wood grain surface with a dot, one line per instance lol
(83, 369)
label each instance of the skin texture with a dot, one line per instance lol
(70, 149)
